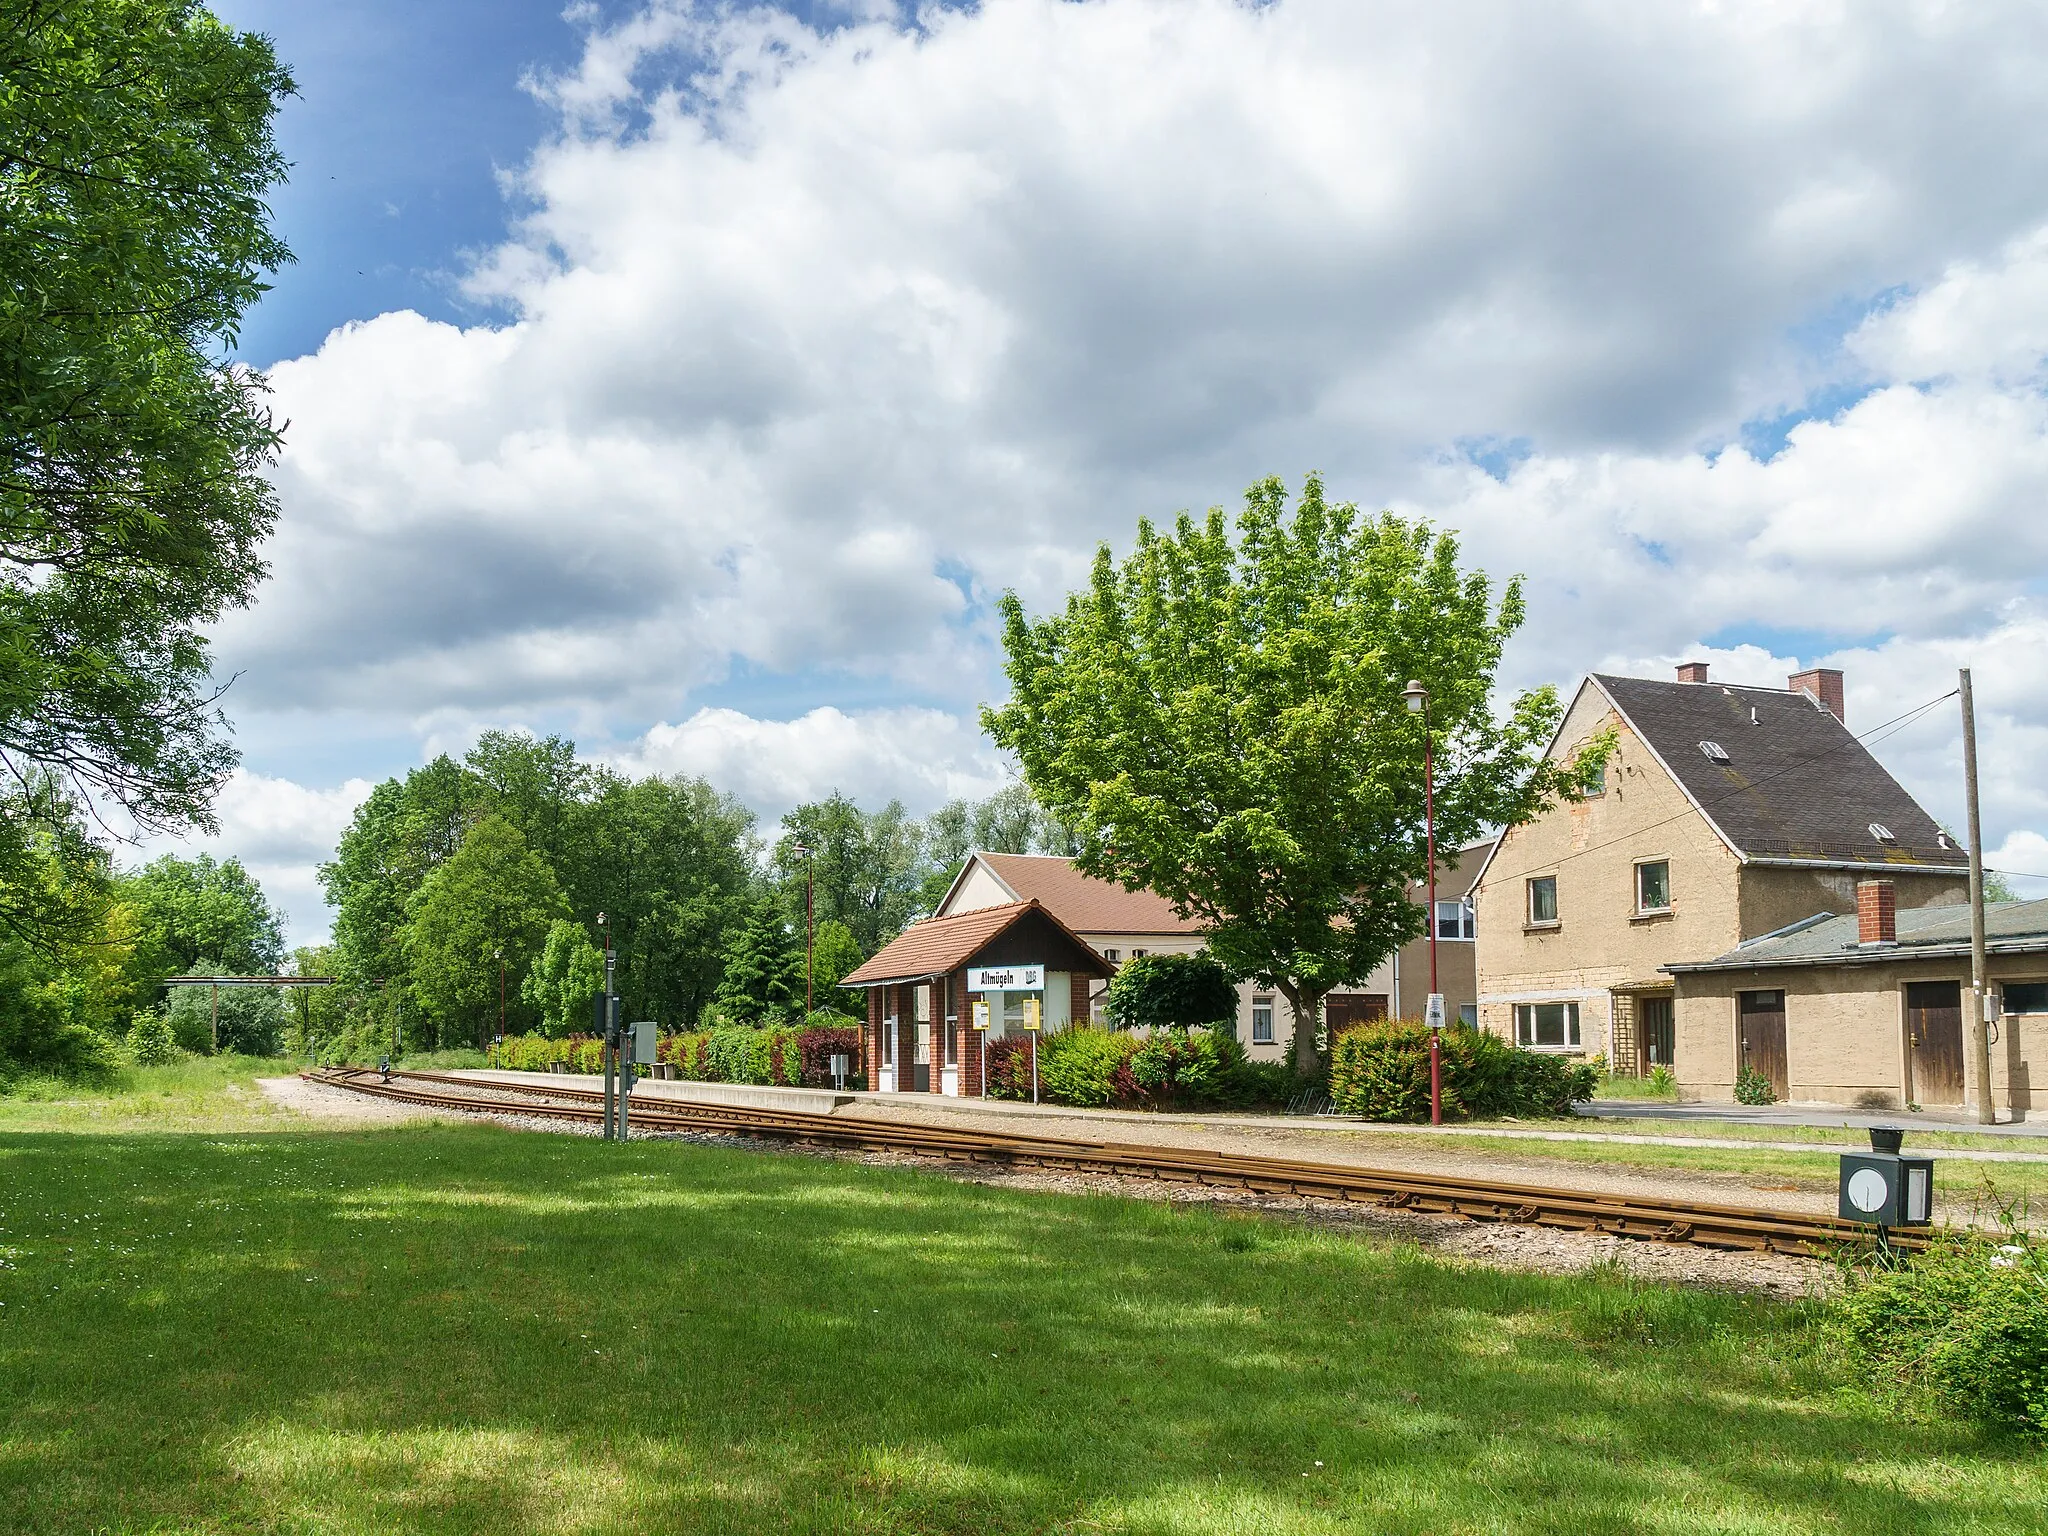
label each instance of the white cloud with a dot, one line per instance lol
(919, 756)
(818, 340)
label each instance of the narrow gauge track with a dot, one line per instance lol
(1758, 1229)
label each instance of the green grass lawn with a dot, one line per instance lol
(457, 1328)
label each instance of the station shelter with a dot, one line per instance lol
(945, 989)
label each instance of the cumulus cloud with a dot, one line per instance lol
(816, 339)
(920, 756)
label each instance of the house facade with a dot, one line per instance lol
(1724, 813)
(1868, 1008)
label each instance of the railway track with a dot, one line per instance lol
(1757, 1229)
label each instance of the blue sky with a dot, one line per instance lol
(763, 347)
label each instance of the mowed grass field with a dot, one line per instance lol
(469, 1329)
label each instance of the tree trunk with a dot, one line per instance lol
(1307, 1004)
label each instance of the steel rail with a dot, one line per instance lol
(1759, 1229)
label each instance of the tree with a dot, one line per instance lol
(187, 908)
(135, 155)
(1171, 992)
(764, 969)
(251, 1019)
(672, 864)
(1223, 723)
(535, 783)
(865, 866)
(568, 974)
(834, 957)
(494, 895)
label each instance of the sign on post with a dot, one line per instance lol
(1882, 1188)
(1006, 978)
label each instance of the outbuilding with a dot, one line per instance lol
(1868, 1009)
(1006, 969)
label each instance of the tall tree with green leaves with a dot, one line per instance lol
(492, 900)
(564, 979)
(865, 866)
(834, 957)
(763, 977)
(135, 157)
(1222, 721)
(189, 909)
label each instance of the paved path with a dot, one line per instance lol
(1830, 1115)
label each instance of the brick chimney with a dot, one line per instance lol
(1825, 685)
(1692, 672)
(1877, 912)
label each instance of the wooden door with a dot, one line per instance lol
(1934, 1027)
(921, 1066)
(1762, 1034)
(1656, 1038)
(1345, 1010)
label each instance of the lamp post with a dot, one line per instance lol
(1417, 698)
(803, 851)
(499, 956)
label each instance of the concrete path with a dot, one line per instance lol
(1828, 1115)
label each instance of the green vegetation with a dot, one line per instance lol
(1224, 723)
(1171, 992)
(1167, 1069)
(460, 1329)
(137, 158)
(1381, 1071)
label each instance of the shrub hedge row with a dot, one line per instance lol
(791, 1057)
(1170, 1069)
(1380, 1071)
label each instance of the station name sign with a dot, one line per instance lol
(1006, 978)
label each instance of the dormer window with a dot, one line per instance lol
(1715, 751)
(1882, 832)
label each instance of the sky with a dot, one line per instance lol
(692, 379)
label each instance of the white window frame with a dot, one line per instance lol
(1529, 903)
(1525, 1027)
(1113, 956)
(1462, 918)
(1264, 1004)
(1640, 866)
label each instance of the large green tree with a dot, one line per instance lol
(564, 979)
(1222, 721)
(189, 909)
(135, 156)
(763, 975)
(866, 867)
(491, 902)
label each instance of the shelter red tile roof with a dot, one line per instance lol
(1084, 903)
(942, 944)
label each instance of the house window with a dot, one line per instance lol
(1593, 781)
(1139, 954)
(2026, 996)
(1454, 919)
(1653, 886)
(1262, 1021)
(1547, 1026)
(1468, 1015)
(1112, 955)
(1543, 899)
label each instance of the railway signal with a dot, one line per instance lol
(1884, 1189)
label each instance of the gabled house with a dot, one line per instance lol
(1724, 813)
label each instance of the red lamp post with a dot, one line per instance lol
(1417, 698)
(803, 851)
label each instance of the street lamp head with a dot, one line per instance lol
(1416, 695)
(801, 849)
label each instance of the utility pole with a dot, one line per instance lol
(608, 1033)
(1980, 1035)
(803, 851)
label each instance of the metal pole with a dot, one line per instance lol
(1980, 1041)
(1034, 1066)
(1436, 1055)
(605, 1043)
(810, 937)
(216, 1018)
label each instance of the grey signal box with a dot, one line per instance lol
(1884, 1189)
(642, 1044)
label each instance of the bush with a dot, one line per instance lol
(1171, 992)
(1752, 1087)
(1088, 1068)
(150, 1039)
(1965, 1321)
(1172, 1069)
(818, 1043)
(1380, 1071)
(1661, 1081)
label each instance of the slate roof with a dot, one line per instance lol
(1796, 783)
(1084, 903)
(2010, 927)
(939, 945)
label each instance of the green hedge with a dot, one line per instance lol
(1170, 1069)
(1380, 1071)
